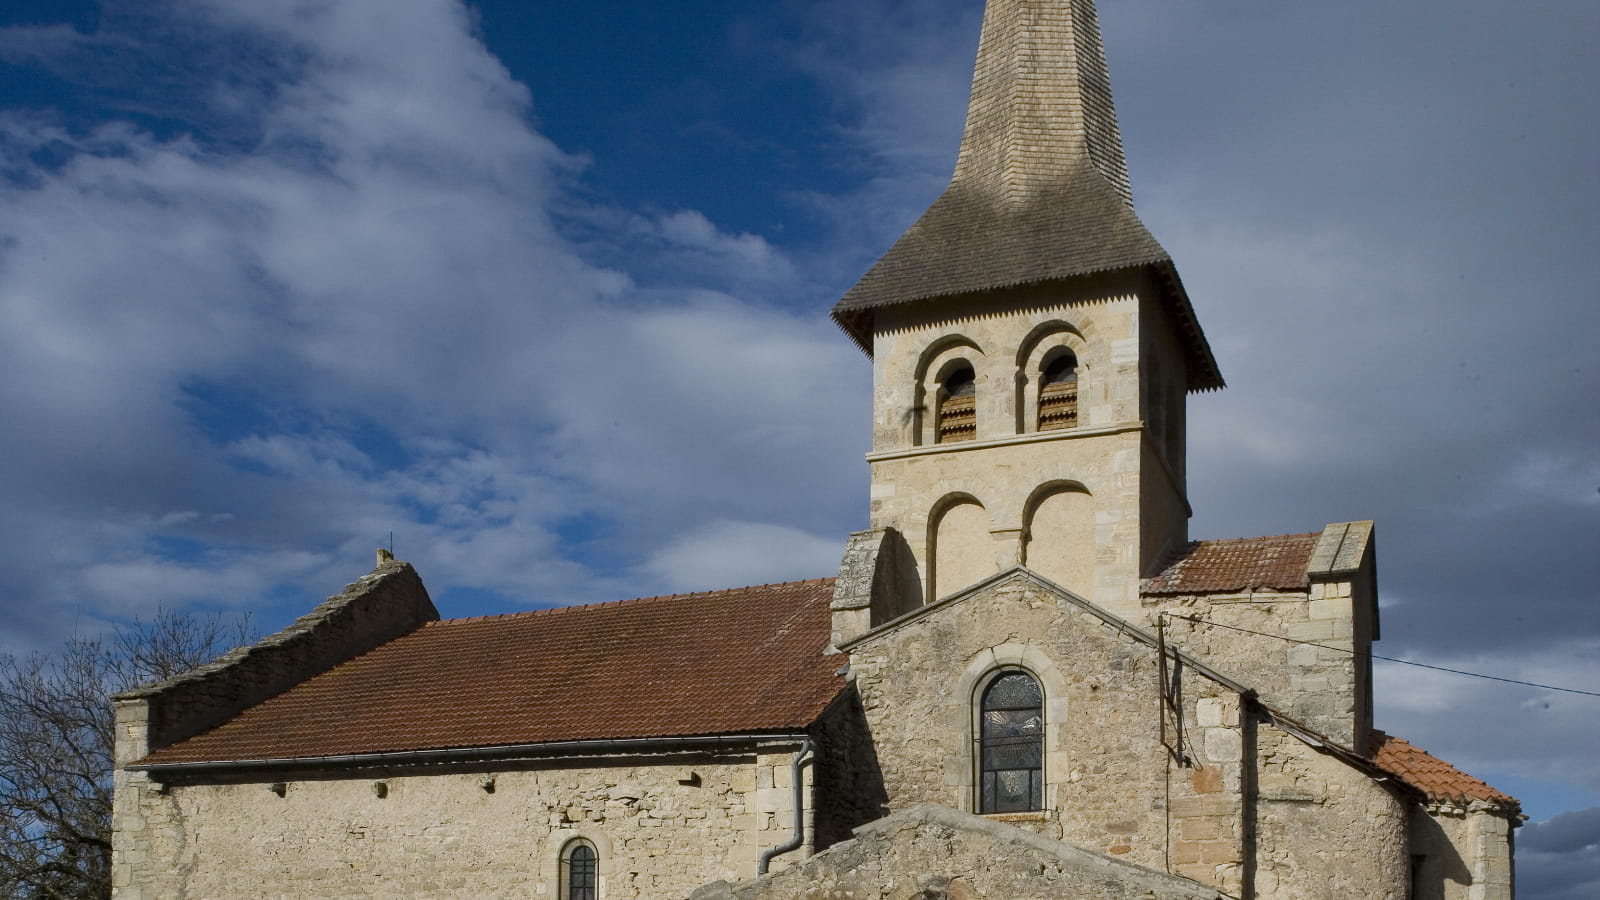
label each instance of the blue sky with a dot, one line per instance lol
(541, 289)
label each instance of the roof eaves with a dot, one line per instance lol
(562, 749)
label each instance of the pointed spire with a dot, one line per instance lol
(1040, 191)
(1041, 105)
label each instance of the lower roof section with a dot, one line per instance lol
(740, 661)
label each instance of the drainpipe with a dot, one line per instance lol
(798, 783)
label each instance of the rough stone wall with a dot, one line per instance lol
(1111, 786)
(1463, 852)
(1006, 336)
(848, 784)
(377, 608)
(935, 853)
(1123, 778)
(1324, 830)
(1316, 685)
(1328, 687)
(661, 827)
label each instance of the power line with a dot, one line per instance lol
(1403, 662)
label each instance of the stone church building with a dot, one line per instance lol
(1025, 681)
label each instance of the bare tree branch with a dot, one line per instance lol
(56, 753)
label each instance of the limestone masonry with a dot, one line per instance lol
(1025, 681)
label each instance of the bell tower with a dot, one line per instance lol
(1032, 346)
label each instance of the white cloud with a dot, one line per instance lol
(726, 553)
(380, 258)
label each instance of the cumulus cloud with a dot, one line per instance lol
(336, 298)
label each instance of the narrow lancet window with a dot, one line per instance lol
(1058, 394)
(1011, 745)
(958, 408)
(579, 872)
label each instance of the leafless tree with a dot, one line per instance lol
(56, 736)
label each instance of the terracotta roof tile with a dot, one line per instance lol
(746, 660)
(1235, 565)
(1432, 775)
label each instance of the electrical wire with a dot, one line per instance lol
(1403, 662)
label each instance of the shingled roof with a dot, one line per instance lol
(740, 661)
(1236, 565)
(1040, 191)
(1432, 775)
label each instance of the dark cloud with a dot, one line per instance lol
(1559, 859)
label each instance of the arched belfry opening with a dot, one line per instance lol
(958, 405)
(1058, 392)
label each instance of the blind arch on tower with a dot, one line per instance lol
(1059, 535)
(960, 547)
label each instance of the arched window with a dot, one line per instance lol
(1058, 393)
(580, 867)
(958, 409)
(1011, 745)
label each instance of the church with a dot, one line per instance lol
(1025, 680)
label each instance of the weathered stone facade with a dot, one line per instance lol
(931, 852)
(662, 827)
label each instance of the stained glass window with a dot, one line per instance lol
(1011, 745)
(579, 872)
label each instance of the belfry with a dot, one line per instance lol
(1033, 345)
(1025, 681)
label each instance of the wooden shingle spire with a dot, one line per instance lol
(1040, 191)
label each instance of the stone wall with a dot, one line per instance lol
(1265, 638)
(848, 782)
(1324, 829)
(1170, 792)
(662, 826)
(930, 852)
(1462, 852)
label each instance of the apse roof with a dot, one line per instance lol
(1432, 775)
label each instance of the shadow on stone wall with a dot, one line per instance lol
(848, 789)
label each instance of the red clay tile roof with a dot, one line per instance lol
(746, 660)
(1430, 774)
(1276, 563)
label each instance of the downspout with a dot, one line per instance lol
(798, 783)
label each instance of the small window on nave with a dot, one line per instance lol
(1058, 394)
(958, 407)
(580, 867)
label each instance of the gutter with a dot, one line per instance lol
(798, 784)
(460, 754)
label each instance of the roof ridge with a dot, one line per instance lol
(629, 601)
(1263, 537)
